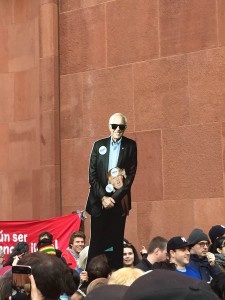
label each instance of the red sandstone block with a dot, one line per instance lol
(221, 21)
(164, 218)
(210, 209)
(71, 113)
(4, 55)
(46, 192)
(187, 26)
(6, 97)
(22, 195)
(192, 159)
(106, 92)
(48, 30)
(6, 192)
(4, 147)
(26, 94)
(49, 83)
(6, 14)
(24, 147)
(21, 45)
(24, 10)
(223, 147)
(49, 133)
(132, 31)
(148, 185)
(67, 5)
(82, 40)
(206, 85)
(161, 93)
(75, 155)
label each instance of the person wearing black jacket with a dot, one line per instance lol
(156, 254)
(201, 259)
(106, 209)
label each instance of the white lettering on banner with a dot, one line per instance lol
(12, 232)
(56, 244)
(4, 237)
(6, 249)
(33, 247)
(19, 237)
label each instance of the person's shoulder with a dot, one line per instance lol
(194, 258)
(191, 269)
(144, 265)
(102, 141)
(127, 140)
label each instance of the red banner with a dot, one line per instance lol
(13, 232)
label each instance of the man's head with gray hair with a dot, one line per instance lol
(117, 126)
(124, 118)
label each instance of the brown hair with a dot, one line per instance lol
(76, 234)
(157, 242)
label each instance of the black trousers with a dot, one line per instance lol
(107, 233)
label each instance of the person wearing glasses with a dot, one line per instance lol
(104, 206)
(201, 259)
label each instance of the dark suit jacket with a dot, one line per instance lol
(98, 169)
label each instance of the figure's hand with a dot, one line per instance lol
(83, 276)
(211, 258)
(108, 202)
(15, 260)
(143, 250)
(35, 293)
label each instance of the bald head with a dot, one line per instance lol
(116, 116)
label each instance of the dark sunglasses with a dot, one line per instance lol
(121, 127)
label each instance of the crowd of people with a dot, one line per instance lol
(178, 268)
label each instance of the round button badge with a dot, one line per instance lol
(102, 150)
(109, 188)
(114, 172)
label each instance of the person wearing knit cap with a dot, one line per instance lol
(45, 245)
(48, 239)
(216, 231)
(179, 253)
(201, 259)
